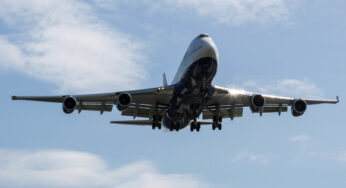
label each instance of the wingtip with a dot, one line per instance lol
(12, 96)
(337, 99)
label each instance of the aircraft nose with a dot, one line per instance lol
(207, 48)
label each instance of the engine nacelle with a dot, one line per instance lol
(257, 103)
(298, 107)
(69, 105)
(123, 101)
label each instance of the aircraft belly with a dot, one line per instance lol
(191, 93)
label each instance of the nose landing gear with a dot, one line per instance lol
(195, 126)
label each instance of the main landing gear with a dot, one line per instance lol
(217, 122)
(157, 121)
(195, 126)
(175, 127)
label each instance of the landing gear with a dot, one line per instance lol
(195, 126)
(175, 127)
(156, 121)
(217, 122)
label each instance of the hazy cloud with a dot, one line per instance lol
(339, 156)
(52, 168)
(300, 138)
(65, 42)
(234, 11)
(286, 87)
(247, 156)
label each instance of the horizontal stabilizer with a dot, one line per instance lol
(133, 122)
(149, 122)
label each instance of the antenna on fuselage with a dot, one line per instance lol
(164, 79)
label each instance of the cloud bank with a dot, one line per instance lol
(67, 43)
(52, 168)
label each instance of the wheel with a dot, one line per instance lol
(220, 126)
(192, 126)
(220, 119)
(214, 126)
(159, 125)
(198, 127)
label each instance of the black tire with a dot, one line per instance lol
(220, 126)
(198, 127)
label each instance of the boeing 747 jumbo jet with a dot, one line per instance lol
(181, 103)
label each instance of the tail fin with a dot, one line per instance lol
(164, 79)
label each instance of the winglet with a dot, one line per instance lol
(12, 96)
(337, 99)
(164, 80)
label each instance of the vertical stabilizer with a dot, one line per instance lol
(164, 79)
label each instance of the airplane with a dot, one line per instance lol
(180, 104)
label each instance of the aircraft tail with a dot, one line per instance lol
(164, 80)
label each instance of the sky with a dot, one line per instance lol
(291, 48)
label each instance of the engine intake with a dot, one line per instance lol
(69, 105)
(257, 103)
(298, 108)
(123, 101)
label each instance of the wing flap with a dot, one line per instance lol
(101, 108)
(226, 113)
(273, 109)
(145, 111)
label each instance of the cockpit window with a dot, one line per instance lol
(203, 35)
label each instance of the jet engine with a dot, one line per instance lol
(257, 103)
(298, 107)
(123, 101)
(69, 105)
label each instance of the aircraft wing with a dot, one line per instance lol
(141, 100)
(230, 102)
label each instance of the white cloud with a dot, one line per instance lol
(53, 168)
(300, 138)
(286, 87)
(342, 156)
(234, 11)
(65, 42)
(246, 156)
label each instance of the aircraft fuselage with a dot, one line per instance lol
(193, 83)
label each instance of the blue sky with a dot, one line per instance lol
(283, 47)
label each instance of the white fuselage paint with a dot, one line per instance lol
(198, 48)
